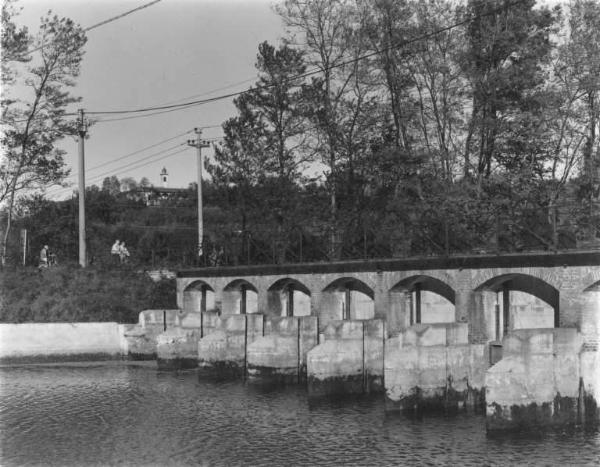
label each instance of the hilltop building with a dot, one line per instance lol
(163, 195)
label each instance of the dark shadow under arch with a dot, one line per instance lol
(426, 283)
(239, 284)
(287, 282)
(197, 286)
(350, 283)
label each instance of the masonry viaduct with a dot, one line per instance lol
(475, 289)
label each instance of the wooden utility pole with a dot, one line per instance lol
(199, 143)
(82, 130)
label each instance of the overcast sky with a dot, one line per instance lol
(173, 51)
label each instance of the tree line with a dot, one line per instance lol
(381, 128)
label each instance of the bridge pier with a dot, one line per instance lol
(491, 297)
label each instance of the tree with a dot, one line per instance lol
(34, 122)
(263, 143)
(507, 47)
(578, 72)
(337, 100)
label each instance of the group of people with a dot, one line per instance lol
(119, 252)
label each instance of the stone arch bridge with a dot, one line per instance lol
(493, 294)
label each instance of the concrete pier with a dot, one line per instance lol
(280, 355)
(349, 359)
(223, 351)
(544, 379)
(433, 367)
(142, 337)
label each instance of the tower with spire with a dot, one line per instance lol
(164, 177)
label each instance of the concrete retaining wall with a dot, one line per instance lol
(349, 359)
(543, 379)
(32, 342)
(432, 366)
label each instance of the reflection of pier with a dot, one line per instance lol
(425, 330)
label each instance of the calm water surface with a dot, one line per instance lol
(133, 414)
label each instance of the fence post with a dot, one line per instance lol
(164, 320)
(446, 237)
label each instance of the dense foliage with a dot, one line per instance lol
(381, 128)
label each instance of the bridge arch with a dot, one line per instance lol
(521, 301)
(421, 298)
(198, 296)
(288, 297)
(239, 297)
(347, 298)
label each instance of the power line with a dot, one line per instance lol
(130, 166)
(311, 72)
(102, 23)
(119, 158)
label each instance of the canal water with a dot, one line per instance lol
(132, 414)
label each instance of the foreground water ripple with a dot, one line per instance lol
(133, 414)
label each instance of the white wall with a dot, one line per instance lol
(44, 339)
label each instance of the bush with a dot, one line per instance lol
(72, 294)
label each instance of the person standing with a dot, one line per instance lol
(115, 252)
(44, 257)
(123, 253)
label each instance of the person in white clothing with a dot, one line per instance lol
(115, 252)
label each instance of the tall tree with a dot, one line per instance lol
(507, 45)
(264, 144)
(328, 32)
(36, 120)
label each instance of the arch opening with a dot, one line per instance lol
(347, 298)
(198, 296)
(520, 301)
(421, 299)
(288, 297)
(240, 297)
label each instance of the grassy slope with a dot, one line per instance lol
(72, 294)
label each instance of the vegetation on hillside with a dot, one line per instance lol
(70, 294)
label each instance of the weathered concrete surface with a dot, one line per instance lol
(349, 360)
(280, 354)
(142, 338)
(223, 351)
(541, 380)
(38, 342)
(177, 348)
(432, 366)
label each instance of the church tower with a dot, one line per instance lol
(164, 177)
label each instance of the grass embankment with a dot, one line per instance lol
(73, 294)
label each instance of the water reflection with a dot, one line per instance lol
(135, 415)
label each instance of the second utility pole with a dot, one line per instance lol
(199, 143)
(82, 130)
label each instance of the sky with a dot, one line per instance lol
(171, 52)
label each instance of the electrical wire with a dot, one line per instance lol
(311, 72)
(102, 23)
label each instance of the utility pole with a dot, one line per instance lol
(199, 143)
(82, 130)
